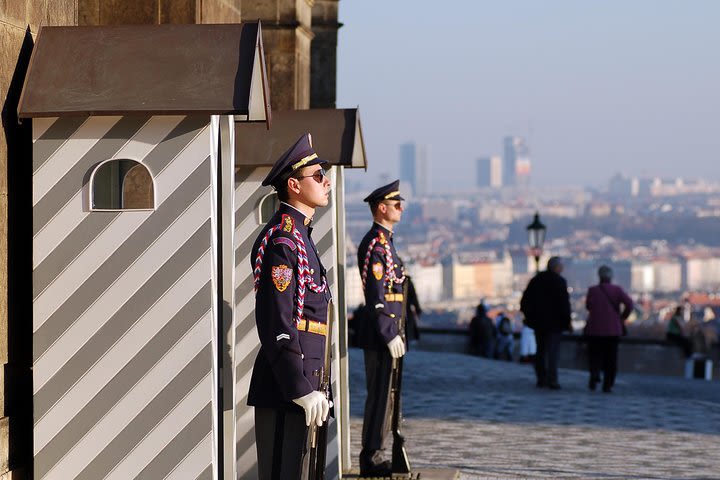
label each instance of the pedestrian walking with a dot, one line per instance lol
(546, 306)
(608, 307)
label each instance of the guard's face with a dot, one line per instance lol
(314, 186)
(392, 210)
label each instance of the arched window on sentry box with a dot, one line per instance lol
(121, 185)
(267, 207)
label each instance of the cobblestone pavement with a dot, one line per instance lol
(487, 419)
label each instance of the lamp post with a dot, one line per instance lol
(536, 239)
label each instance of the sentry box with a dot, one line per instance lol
(133, 167)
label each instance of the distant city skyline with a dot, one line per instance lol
(596, 88)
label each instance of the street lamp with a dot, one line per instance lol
(536, 239)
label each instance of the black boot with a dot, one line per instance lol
(372, 464)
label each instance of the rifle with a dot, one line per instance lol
(400, 462)
(318, 435)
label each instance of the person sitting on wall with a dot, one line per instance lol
(675, 331)
(482, 333)
(504, 341)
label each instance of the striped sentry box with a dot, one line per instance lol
(248, 196)
(124, 304)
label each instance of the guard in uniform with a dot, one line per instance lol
(291, 311)
(383, 276)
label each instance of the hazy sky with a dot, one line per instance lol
(596, 86)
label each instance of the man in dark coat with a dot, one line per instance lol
(546, 306)
(383, 275)
(291, 311)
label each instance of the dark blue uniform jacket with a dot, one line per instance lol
(383, 308)
(285, 365)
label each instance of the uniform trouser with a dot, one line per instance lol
(546, 357)
(602, 353)
(378, 367)
(281, 438)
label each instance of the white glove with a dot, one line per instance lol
(396, 347)
(316, 407)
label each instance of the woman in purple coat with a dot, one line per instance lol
(605, 324)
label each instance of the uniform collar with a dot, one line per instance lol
(297, 215)
(380, 228)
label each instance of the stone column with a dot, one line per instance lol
(323, 67)
(287, 34)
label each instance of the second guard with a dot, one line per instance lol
(383, 276)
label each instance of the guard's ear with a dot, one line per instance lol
(293, 185)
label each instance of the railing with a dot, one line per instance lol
(639, 355)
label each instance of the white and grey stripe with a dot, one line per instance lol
(123, 309)
(248, 192)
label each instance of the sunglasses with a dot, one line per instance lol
(318, 176)
(396, 205)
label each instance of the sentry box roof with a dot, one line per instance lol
(336, 136)
(148, 69)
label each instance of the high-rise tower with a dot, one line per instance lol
(516, 162)
(414, 167)
(489, 171)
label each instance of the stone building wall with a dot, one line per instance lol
(119, 12)
(287, 35)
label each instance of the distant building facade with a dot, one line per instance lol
(622, 187)
(440, 210)
(428, 281)
(353, 286)
(702, 273)
(483, 278)
(668, 275)
(414, 168)
(643, 277)
(658, 276)
(489, 171)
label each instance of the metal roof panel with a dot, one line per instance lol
(336, 136)
(144, 69)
